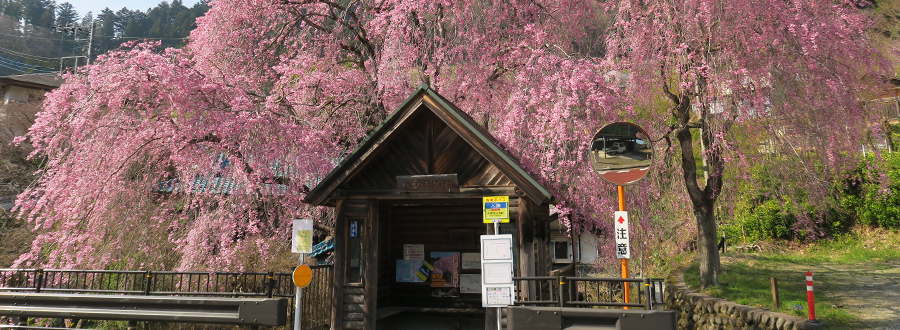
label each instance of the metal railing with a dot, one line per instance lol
(316, 297)
(569, 291)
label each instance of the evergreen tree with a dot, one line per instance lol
(66, 14)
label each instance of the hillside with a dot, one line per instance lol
(43, 36)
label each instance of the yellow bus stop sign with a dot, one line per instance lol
(302, 276)
(496, 207)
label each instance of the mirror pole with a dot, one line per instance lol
(621, 190)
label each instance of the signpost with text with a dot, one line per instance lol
(301, 242)
(497, 287)
(621, 153)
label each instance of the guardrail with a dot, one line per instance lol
(232, 284)
(316, 297)
(569, 291)
(252, 312)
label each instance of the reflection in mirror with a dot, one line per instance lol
(621, 153)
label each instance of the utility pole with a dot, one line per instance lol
(74, 31)
(90, 43)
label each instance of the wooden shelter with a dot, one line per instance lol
(418, 180)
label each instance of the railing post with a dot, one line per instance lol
(147, 282)
(562, 291)
(270, 284)
(649, 302)
(38, 280)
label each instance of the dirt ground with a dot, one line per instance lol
(869, 291)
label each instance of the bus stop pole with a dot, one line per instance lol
(499, 309)
(298, 298)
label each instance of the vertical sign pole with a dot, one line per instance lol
(621, 190)
(301, 242)
(298, 296)
(496, 210)
(499, 309)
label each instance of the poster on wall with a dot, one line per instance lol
(413, 252)
(470, 283)
(407, 270)
(446, 269)
(471, 261)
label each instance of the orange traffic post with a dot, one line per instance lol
(810, 297)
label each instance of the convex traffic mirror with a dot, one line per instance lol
(621, 153)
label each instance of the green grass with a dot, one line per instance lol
(749, 283)
(746, 278)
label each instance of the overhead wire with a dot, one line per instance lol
(30, 61)
(24, 66)
(10, 51)
(12, 67)
(21, 64)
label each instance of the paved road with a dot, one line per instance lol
(624, 176)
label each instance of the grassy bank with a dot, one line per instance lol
(842, 265)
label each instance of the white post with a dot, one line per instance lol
(298, 296)
(499, 309)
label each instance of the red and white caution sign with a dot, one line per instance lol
(623, 241)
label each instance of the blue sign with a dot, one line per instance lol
(353, 230)
(495, 205)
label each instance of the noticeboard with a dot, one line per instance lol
(497, 285)
(301, 236)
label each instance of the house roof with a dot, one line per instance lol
(36, 80)
(426, 100)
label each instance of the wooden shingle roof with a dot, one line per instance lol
(402, 145)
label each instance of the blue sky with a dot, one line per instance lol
(95, 6)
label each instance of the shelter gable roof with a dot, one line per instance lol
(494, 166)
(35, 80)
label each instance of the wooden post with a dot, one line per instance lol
(338, 277)
(776, 300)
(370, 255)
(527, 259)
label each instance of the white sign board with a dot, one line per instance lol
(497, 286)
(497, 296)
(301, 236)
(623, 245)
(497, 272)
(496, 247)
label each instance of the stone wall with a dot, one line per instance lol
(701, 312)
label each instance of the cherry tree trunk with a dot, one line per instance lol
(707, 244)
